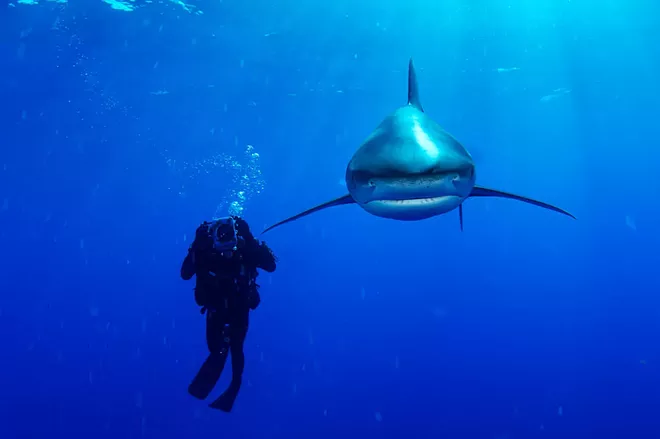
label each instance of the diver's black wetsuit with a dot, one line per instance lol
(226, 289)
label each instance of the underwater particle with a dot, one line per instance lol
(82, 244)
(185, 237)
(507, 69)
(630, 222)
(304, 367)
(94, 311)
(325, 412)
(138, 400)
(295, 388)
(5, 204)
(396, 362)
(242, 63)
(642, 362)
(90, 377)
(310, 337)
(378, 416)
(261, 357)
(24, 115)
(560, 411)
(363, 293)
(439, 312)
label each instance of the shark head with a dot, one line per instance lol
(410, 168)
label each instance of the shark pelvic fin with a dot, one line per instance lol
(460, 215)
(484, 192)
(346, 199)
(413, 88)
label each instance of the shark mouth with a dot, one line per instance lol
(415, 201)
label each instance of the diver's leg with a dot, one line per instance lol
(210, 372)
(237, 357)
(238, 330)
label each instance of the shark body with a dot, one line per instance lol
(410, 169)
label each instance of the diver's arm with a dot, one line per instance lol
(200, 244)
(264, 257)
(188, 266)
(259, 255)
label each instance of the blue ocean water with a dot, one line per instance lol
(124, 124)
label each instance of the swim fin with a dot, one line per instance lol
(225, 402)
(208, 375)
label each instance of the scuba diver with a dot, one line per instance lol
(224, 257)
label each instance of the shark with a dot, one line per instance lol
(410, 168)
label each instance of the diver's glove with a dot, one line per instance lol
(203, 239)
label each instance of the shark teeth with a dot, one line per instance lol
(413, 201)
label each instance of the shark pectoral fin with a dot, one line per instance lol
(460, 215)
(484, 192)
(346, 199)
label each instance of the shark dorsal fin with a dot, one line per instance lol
(413, 89)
